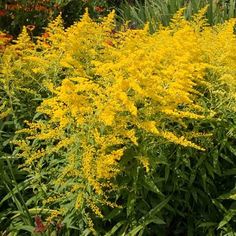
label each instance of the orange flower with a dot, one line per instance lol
(6, 37)
(45, 35)
(13, 6)
(41, 8)
(109, 42)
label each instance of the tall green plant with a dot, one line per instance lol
(160, 12)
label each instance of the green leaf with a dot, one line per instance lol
(113, 214)
(230, 172)
(219, 205)
(149, 183)
(210, 169)
(167, 173)
(230, 195)
(115, 228)
(207, 225)
(135, 230)
(227, 218)
(156, 220)
(132, 196)
(130, 203)
(155, 210)
(27, 228)
(19, 187)
(86, 232)
(226, 158)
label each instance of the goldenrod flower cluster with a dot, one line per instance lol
(106, 90)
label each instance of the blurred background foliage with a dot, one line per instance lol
(158, 11)
(37, 13)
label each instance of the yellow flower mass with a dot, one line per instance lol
(106, 90)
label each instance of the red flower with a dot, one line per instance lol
(99, 9)
(3, 12)
(39, 226)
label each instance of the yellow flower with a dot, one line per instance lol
(101, 99)
(145, 163)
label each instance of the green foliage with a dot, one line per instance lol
(158, 12)
(36, 14)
